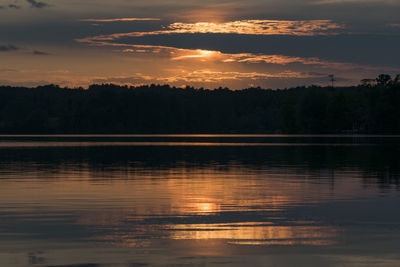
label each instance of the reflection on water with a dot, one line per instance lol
(97, 144)
(253, 233)
(112, 195)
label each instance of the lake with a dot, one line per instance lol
(199, 200)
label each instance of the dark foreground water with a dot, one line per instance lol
(87, 201)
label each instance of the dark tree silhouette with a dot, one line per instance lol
(372, 107)
(383, 79)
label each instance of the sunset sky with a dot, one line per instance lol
(209, 43)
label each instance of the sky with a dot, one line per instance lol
(208, 43)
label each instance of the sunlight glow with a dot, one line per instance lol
(200, 54)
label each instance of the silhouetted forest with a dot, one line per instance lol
(371, 107)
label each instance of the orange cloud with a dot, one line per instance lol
(243, 27)
(258, 27)
(210, 76)
(217, 56)
(249, 58)
(284, 60)
(200, 76)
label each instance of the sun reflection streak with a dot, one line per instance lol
(256, 233)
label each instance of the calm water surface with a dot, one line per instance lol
(199, 200)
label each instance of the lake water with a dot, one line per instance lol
(199, 200)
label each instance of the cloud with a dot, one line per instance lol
(120, 19)
(285, 60)
(14, 6)
(250, 58)
(241, 27)
(187, 54)
(202, 76)
(259, 27)
(37, 4)
(180, 54)
(209, 76)
(40, 53)
(6, 48)
(33, 3)
(8, 70)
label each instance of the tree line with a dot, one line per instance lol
(372, 107)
